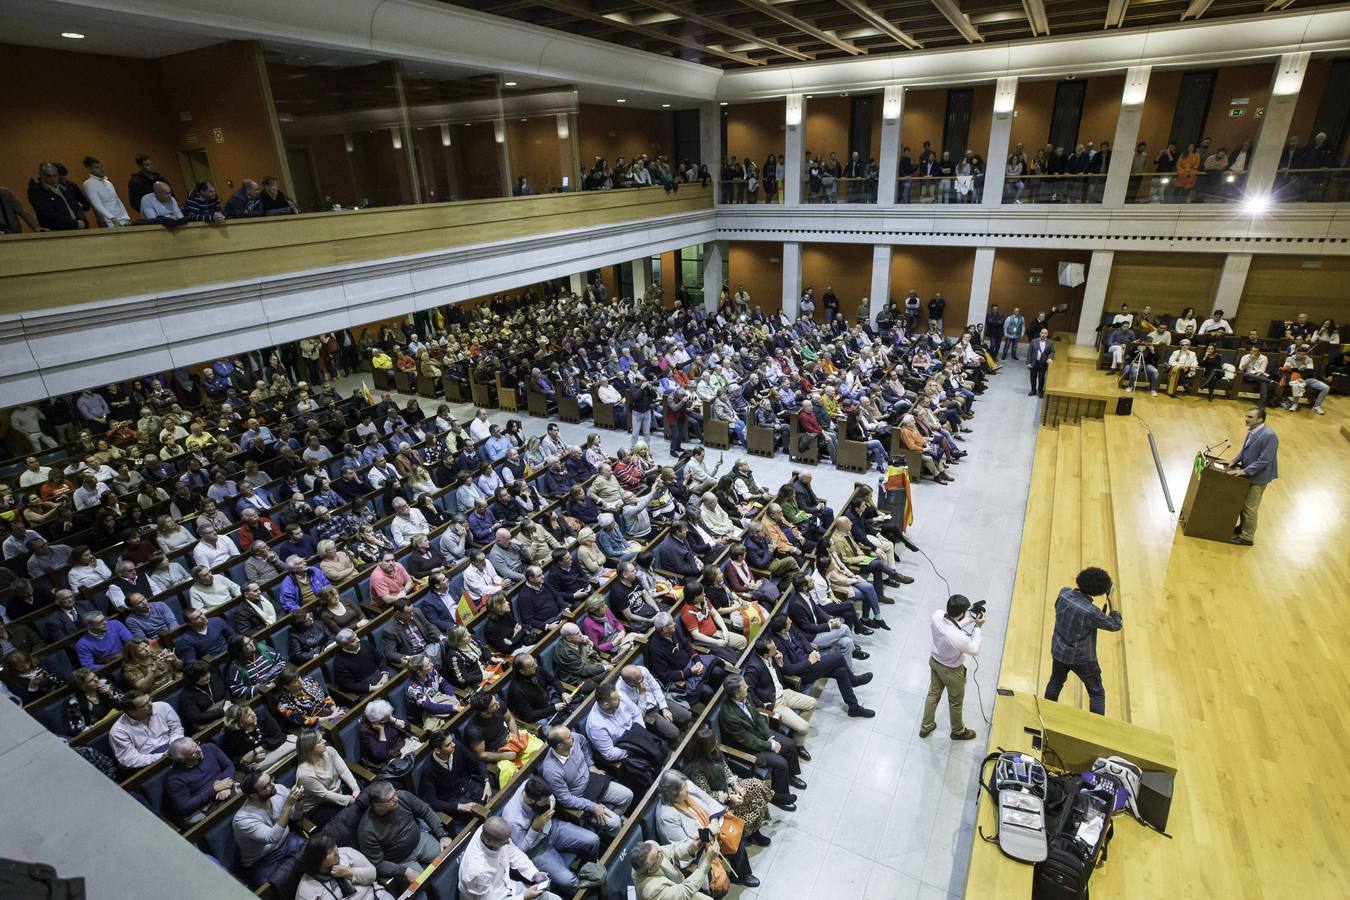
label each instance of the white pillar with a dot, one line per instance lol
(712, 274)
(881, 275)
(642, 275)
(892, 107)
(1094, 296)
(792, 279)
(1285, 85)
(710, 142)
(793, 140)
(1232, 281)
(577, 283)
(1000, 132)
(503, 155)
(1127, 133)
(980, 280)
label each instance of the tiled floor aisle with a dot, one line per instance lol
(888, 816)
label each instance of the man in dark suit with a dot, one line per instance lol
(745, 729)
(65, 619)
(408, 633)
(801, 658)
(1257, 462)
(1040, 351)
(760, 671)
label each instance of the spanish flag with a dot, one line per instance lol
(897, 479)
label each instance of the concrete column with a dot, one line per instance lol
(710, 143)
(892, 107)
(1094, 296)
(577, 283)
(1232, 281)
(567, 151)
(504, 156)
(793, 140)
(642, 275)
(1000, 132)
(1127, 134)
(881, 268)
(712, 274)
(980, 280)
(1285, 86)
(792, 279)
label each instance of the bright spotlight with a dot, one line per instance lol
(1256, 204)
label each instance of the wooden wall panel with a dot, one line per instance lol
(1309, 99)
(845, 267)
(1156, 123)
(1232, 83)
(827, 127)
(921, 120)
(1101, 109)
(1281, 287)
(1035, 108)
(758, 265)
(1011, 285)
(536, 152)
(1166, 281)
(755, 130)
(932, 269)
(614, 131)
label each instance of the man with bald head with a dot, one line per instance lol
(490, 858)
(160, 207)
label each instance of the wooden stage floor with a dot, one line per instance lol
(1239, 654)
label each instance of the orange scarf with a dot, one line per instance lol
(717, 874)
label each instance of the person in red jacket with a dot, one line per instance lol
(807, 423)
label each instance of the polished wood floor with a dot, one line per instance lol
(1239, 654)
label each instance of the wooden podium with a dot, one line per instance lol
(1213, 501)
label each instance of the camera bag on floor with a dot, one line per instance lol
(1078, 829)
(1018, 785)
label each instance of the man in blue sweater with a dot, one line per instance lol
(200, 776)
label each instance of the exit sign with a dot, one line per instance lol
(1237, 112)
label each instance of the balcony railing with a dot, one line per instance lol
(59, 268)
(1040, 188)
(1216, 186)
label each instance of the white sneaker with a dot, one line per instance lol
(1319, 410)
(1153, 393)
(1129, 389)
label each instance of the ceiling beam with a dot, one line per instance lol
(1035, 10)
(712, 24)
(788, 19)
(881, 23)
(1115, 13)
(1277, 5)
(952, 11)
(1196, 9)
(654, 33)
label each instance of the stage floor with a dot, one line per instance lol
(1236, 653)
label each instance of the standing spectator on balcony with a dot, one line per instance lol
(142, 184)
(769, 175)
(98, 187)
(855, 170)
(523, 188)
(1077, 167)
(1138, 168)
(946, 169)
(160, 207)
(53, 207)
(928, 176)
(246, 202)
(274, 202)
(203, 205)
(1316, 155)
(905, 169)
(13, 216)
(1164, 167)
(1188, 171)
(1212, 185)
(1098, 166)
(1013, 183)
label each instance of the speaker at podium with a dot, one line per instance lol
(1214, 500)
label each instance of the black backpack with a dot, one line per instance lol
(1078, 827)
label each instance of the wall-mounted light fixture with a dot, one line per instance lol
(793, 116)
(445, 134)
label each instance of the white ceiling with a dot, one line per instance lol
(34, 23)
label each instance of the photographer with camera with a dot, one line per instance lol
(956, 634)
(1073, 647)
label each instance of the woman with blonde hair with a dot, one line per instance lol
(323, 773)
(335, 564)
(589, 555)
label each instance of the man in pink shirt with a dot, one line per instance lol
(390, 581)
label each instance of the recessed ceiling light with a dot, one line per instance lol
(621, 100)
(509, 83)
(73, 35)
(665, 106)
(723, 103)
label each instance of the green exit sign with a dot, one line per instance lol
(1237, 113)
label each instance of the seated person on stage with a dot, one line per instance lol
(1301, 372)
(1118, 344)
(1252, 367)
(1146, 357)
(1181, 367)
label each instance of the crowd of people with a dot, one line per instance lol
(59, 204)
(1189, 355)
(174, 525)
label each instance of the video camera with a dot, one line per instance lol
(977, 608)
